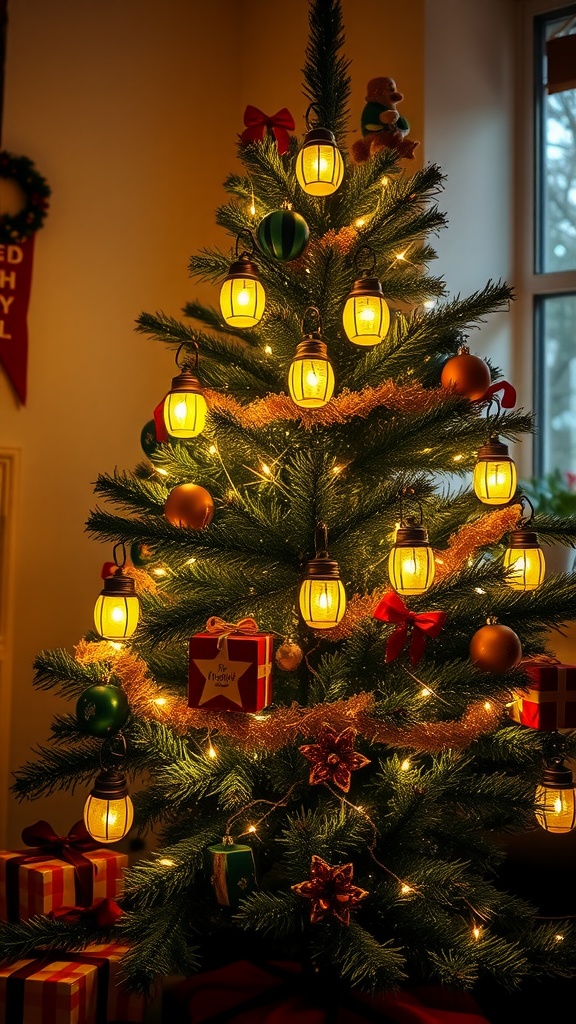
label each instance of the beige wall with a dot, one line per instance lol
(131, 111)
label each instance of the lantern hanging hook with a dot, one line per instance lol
(369, 263)
(313, 309)
(408, 493)
(245, 252)
(119, 559)
(321, 539)
(186, 364)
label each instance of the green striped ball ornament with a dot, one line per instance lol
(283, 235)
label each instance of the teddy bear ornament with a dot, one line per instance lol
(381, 125)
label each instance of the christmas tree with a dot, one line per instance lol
(307, 503)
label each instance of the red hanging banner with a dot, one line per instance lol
(15, 282)
(17, 233)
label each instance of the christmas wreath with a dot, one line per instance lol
(18, 226)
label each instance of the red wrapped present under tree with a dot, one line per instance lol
(550, 701)
(230, 667)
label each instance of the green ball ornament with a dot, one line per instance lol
(283, 235)
(141, 555)
(148, 440)
(102, 710)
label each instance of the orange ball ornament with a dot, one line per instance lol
(495, 648)
(288, 656)
(189, 505)
(467, 374)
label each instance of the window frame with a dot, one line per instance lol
(533, 284)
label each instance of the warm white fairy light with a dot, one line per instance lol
(401, 257)
(163, 472)
(359, 222)
(268, 350)
(265, 469)
(159, 571)
(337, 469)
(212, 752)
(487, 705)
(251, 828)
(559, 938)
(405, 765)
(190, 561)
(479, 590)
(166, 862)
(476, 932)
(457, 458)
(212, 449)
(425, 692)
(384, 181)
(160, 701)
(405, 889)
(116, 645)
(429, 304)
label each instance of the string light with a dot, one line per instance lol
(268, 350)
(251, 828)
(116, 645)
(479, 590)
(559, 938)
(166, 862)
(359, 222)
(212, 449)
(476, 932)
(487, 706)
(457, 458)
(265, 469)
(160, 701)
(425, 692)
(162, 472)
(405, 889)
(159, 572)
(190, 561)
(405, 765)
(429, 304)
(212, 752)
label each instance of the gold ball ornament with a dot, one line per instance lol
(467, 374)
(288, 656)
(495, 648)
(189, 505)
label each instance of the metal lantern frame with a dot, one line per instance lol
(243, 272)
(531, 571)
(118, 590)
(412, 536)
(110, 788)
(321, 573)
(185, 390)
(319, 145)
(312, 349)
(556, 779)
(366, 288)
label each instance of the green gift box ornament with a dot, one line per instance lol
(233, 871)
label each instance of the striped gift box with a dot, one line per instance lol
(54, 992)
(47, 884)
(79, 988)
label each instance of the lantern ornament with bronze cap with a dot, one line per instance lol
(319, 164)
(242, 295)
(117, 608)
(495, 477)
(184, 409)
(555, 798)
(524, 557)
(366, 317)
(311, 375)
(322, 598)
(109, 811)
(411, 564)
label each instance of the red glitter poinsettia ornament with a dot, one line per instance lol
(333, 758)
(331, 891)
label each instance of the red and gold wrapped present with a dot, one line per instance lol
(57, 871)
(230, 667)
(550, 701)
(281, 993)
(76, 988)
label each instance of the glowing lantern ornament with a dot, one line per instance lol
(184, 409)
(117, 608)
(524, 557)
(109, 811)
(495, 476)
(319, 164)
(366, 317)
(311, 375)
(556, 798)
(322, 597)
(411, 564)
(242, 296)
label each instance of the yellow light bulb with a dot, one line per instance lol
(322, 602)
(243, 297)
(312, 379)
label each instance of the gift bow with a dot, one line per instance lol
(258, 123)
(424, 624)
(220, 628)
(47, 843)
(508, 400)
(103, 914)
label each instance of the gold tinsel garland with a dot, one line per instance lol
(489, 529)
(405, 398)
(283, 725)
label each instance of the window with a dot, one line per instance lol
(554, 249)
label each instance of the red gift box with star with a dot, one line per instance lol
(550, 701)
(230, 669)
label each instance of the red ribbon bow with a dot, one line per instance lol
(70, 848)
(258, 123)
(424, 624)
(508, 400)
(103, 914)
